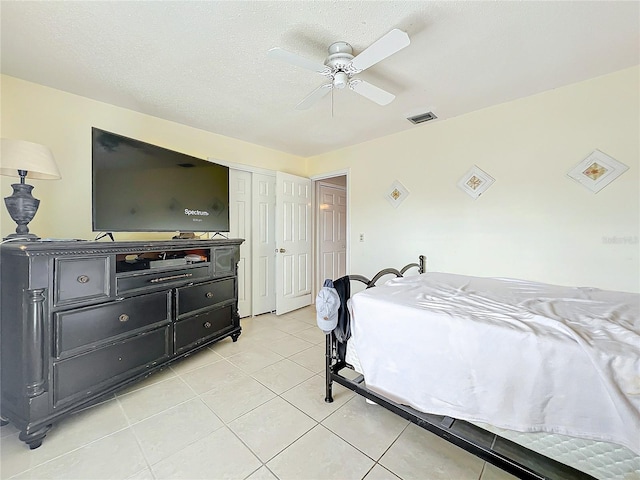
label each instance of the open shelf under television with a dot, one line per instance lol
(161, 259)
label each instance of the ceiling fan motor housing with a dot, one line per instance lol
(340, 56)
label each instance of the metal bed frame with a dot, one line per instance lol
(504, 454)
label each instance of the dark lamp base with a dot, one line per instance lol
(22, 207)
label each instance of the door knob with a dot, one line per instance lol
(282, 250)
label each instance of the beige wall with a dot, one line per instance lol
(63, 122)
(534, 222)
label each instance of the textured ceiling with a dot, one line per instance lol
(204, 64)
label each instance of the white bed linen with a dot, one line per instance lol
(515, 354)
(603, 460)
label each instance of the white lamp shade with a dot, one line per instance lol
(36, 159)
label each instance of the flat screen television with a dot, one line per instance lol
(139, 187)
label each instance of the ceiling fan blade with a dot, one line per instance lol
(373, 93)
(297, 60)
(382, 48)
(314, 96)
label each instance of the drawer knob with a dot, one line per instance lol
(123, 318)
(83, 279)
(209, 294)
(207, 324)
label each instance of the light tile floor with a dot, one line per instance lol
(251, 410)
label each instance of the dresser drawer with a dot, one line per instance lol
(95, 371)
(205, 295)
(84, 326)
(130, 282)
(81, 279)
(199, 328)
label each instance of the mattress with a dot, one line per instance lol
(561, 316)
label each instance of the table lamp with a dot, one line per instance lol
(19, 158)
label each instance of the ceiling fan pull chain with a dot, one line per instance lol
(331, 102)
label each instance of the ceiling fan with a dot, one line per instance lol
(341, 67)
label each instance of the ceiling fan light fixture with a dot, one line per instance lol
(340, 80)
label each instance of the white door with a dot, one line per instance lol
(240, 227)
(332, 225)
(264, 243)
(293, 242)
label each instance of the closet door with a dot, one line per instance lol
(240, 227)
(264, 243)
(293, 242)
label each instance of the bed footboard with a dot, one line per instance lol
(505, 454)
(332, 361)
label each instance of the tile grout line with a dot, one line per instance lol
(135, 436)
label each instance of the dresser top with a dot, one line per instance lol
(66, 247)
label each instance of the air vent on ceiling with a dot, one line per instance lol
(423, 117)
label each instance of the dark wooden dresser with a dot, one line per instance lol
(81, 320)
